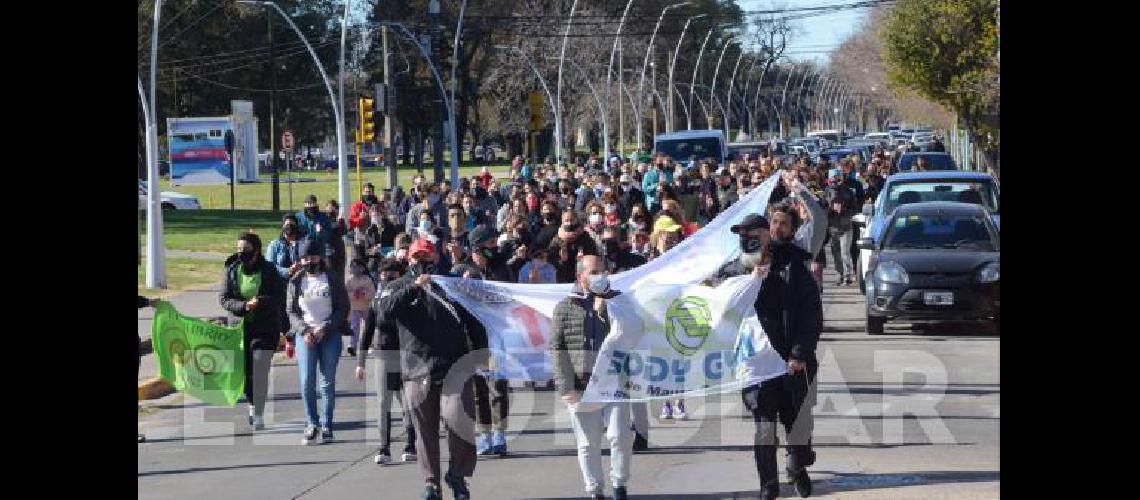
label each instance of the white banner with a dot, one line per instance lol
(670, 341)
(517, 316)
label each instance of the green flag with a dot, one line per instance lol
(197, 357)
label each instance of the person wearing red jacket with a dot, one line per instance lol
(484, 178)
(358, 214)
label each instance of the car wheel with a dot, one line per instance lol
(875, 325)
(168, 206)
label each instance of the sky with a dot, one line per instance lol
(815, 36)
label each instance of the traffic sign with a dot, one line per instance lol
(287, 139)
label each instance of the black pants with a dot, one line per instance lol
(787, 399)
(492, 403)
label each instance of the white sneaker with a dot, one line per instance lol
(258, 423)
(311, 436)
(409, 456)
(383, 458)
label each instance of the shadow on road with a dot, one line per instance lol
(232, 467)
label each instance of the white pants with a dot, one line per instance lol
(587, 427)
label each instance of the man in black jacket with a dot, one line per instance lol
(791, 312)
(389, 386)
(253, 290)
(434, 334)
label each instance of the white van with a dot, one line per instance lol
(831, 136)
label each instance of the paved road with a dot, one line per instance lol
(913, 414)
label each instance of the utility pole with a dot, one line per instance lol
(389, 112)
(273, 116)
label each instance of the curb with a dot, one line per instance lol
(154, 388)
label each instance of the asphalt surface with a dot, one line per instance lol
(911, 414)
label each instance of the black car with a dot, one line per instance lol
(935, 261)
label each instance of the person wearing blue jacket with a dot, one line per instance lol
(314, 223)
(284, 252)
(649, 186)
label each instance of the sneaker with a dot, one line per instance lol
(352, 352)
(839, 283)
(371, 351)
(409, 456)
(640, 443)
(251, 415)
(431, 492)
(310, 436)
(482, 444)
(803, 483)
(258, 423)
(458, 486)
(383, 457)
(498, 443)
(142, 438)
(326, 435)
(620, 494)
(667, 411)
(681, 411)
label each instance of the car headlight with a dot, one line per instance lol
(990, 273)
(891, 272)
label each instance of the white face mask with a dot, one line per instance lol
(595, 219)
(401, 254)
(425, 225)
(598, 284)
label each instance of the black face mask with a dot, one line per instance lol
(423, 268)
(314, 267)
(311, 211)
(570, 227)
(549, 216)
(246, 257)
(371, 200)
(289, 231)
(749, 244)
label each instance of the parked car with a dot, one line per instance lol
(936, 261)
(170, 200)
(977, 188)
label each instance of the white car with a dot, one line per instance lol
(170, 200)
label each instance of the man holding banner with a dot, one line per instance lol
(579, 326)
(790, 311)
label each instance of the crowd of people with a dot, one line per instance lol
(570, 223)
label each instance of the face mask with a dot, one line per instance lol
(313, 267)
(598, 284)
(570, 227)
(749, 244)
(311, 212)
(595, 219)
(377, 220)
(425, 225)
(246, 257)
(370, 199)
(489, 253)
(548, 216)
(401, 254)
(289, 231)
(424, 267)
(611, 208)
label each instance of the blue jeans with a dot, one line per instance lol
(325, 354)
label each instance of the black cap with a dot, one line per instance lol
(750, 222)
(480, 235)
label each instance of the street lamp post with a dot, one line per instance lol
(696, 68)
(731, 84)
(342, 176)
(716, 72)
(700, 101)
(597, 97)
(558, 101)
(684, 106)
(645, 64)
(609, 70)
(784, 97)
(673, 65)
(342, 169)
(541, 80)
(155, 250)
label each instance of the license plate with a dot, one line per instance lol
(938, 298)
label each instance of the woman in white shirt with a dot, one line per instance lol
(318, 305)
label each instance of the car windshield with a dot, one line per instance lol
(933, 162)
(701, 147)
(939, 231)
(977, 192)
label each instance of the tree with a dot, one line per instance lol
(946, 50)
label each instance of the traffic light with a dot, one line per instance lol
(367, 131)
